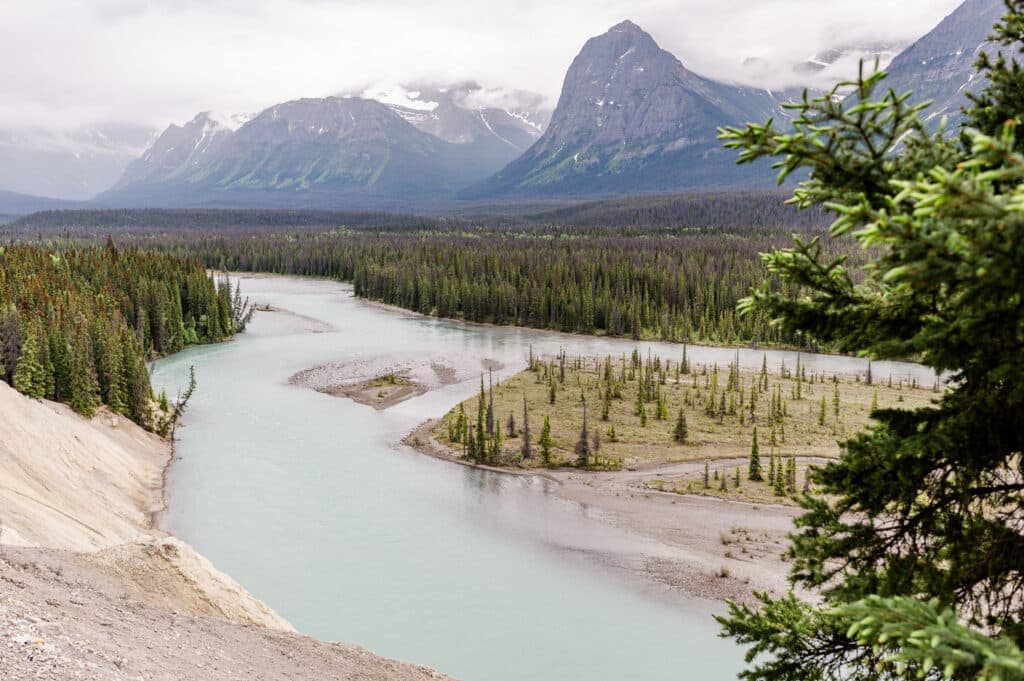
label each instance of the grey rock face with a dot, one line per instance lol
(940, 66)
(632, 118)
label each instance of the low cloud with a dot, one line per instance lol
(153, 62)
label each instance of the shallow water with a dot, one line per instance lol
(310, 503)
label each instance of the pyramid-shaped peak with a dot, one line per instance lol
(625, 34)
(626, 26)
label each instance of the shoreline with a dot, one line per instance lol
(707, 547)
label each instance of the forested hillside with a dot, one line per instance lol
(77, 324)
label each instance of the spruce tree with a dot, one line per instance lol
(495, 450)
(779, 480)
(922, 510)
(490, 403)
(545, 442)
(754, 467)
(527, 448)
(28, 373)
(582, 448)
(480, 455)
(680, 433)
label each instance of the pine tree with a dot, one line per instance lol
(582, 448)
(490, 404)
(680, 434)
(754, 467)
(495, 450)
(545, 442)
(779, 481)
(821, 412)
(28, 373)
(83, 392)
(527, 448)
(471, 446)
(480, 455)
(889, 525)
(707, 475)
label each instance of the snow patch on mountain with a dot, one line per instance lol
(393, 95)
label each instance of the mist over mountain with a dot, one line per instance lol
(73, 164)
(630, 119)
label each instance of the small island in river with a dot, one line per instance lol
(706, 460)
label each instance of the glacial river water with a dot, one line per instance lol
(311, 503)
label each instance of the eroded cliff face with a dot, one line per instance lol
(72, 483)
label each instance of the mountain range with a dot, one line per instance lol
(405, 145)
(630, 119)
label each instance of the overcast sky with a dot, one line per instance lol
(70, 62)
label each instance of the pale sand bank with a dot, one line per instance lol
(716, 549)
(90, 589)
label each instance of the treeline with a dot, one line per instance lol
(671, 212)
(671, 287)
(78, 324)
(79, 222)
(698, 209)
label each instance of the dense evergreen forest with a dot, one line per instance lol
(85, 221)
(702, 209)
(681, 287)
(672, 212)
(668, 267)
(78, 324)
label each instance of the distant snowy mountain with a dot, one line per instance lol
(384, 143)
(181, 149)
(465, 113)
(75, 164)
(330, 152)
(493, 126)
